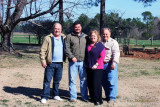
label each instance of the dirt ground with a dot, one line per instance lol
(21, 82)
(144, 54)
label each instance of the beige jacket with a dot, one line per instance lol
(46, 49)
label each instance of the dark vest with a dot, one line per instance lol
(92, 56)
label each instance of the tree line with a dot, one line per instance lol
(13, 12)
(135, 28)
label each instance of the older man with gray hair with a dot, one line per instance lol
(52, 56)
(110, 77)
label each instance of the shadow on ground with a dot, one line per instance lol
(34, 93)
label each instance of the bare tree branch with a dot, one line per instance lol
(18, 10)
(34, 23)
(32, 16)
(8, 11)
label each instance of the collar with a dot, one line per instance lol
(56, 38)
(109, 39)
(77, 35)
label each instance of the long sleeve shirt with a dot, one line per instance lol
(112, 51)
(100, 59)
(95, 54)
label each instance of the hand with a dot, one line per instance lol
(44, 65)
(112, 67)
(104, 62)
(94, 67)
(74, 59)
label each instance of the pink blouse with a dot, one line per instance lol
(101, 58)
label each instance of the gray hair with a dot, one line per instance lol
(57, 24)
(106, 28)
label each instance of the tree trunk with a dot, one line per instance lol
(61, 12)
(6, 42)
(102, 15)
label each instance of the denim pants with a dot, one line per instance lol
(53, 70)
(75, 67)
(110, 81)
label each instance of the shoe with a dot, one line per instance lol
(98, 103)
(57, 98)
(73, 100)
(91, 100)
(43, 100)
(85, 100)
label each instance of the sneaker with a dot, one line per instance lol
(57, 98)
(73, 100)
(43, 100)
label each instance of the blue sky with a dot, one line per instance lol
(130, 8)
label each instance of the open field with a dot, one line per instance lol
(21, 81)
(24, 38)
(145, 42)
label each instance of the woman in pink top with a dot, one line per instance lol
(95, 54)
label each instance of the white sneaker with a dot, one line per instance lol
(43, 100)
(57, 98)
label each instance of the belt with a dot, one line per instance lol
(108, 61)
(57, 62)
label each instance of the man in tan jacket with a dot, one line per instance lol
(52, 56)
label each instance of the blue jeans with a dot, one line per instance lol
(74, 67)
(53, 70)
(110, 81)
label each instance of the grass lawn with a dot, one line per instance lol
(144, 42)
(33, 40)
(24, 38)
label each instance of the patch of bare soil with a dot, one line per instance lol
(21, 83)
(146, 54)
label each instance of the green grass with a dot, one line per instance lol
(27, 103)
(33, 40)
(132, 41)
(144, 72)
(3, 102)
(19, 38)
(144, 42)
(24, 38)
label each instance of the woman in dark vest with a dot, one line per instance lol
(95, 54)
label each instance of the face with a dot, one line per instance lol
(78, 28)
(57, 30)
(106, 34)
(93, 38)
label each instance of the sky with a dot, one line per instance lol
(127, 9)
